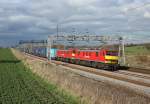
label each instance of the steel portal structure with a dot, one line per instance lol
(72, 39)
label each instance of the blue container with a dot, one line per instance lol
(40, 51)
(52, 53)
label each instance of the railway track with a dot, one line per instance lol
(139, 70)
(127, 76)
(135, 74)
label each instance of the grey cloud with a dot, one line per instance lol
(32, 18)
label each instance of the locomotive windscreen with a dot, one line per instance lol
(112, 53)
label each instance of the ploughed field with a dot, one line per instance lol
(18, 85)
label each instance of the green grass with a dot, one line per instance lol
(137, 50)
(18, 85)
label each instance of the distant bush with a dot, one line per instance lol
(147, 46)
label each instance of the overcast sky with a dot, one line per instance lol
(36, 19)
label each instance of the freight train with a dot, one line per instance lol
(102, 59)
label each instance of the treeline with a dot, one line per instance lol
(146, 45)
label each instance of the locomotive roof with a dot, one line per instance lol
(92, 50)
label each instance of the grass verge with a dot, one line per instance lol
(20, 86)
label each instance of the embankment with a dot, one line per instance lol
(89, 90)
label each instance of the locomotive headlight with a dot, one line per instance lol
(108, 61)
(73, 54)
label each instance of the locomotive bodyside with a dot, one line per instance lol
(95, 58)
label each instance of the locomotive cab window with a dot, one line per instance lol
(112, 53)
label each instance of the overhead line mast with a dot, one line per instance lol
(88, 38)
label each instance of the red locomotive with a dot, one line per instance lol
(103, 58)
